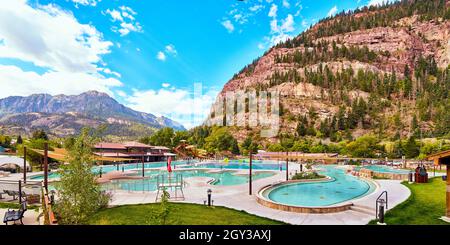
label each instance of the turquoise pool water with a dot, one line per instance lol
(243, 164)
(384, 169)
(342, 187)
(223, 178)
(109, 168)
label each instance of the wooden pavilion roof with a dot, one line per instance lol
(60, 155)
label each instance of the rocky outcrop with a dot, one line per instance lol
(397, 46)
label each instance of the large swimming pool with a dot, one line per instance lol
(223, 174)
(222, 178)
(242, 164)
(384, 169)
(109, 168)
(342, 187)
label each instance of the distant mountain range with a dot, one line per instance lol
(63, 115)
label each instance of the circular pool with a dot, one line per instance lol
(310, 196)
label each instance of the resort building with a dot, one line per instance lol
(134, 151)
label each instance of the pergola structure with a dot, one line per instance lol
(443, 158)
(60, 154)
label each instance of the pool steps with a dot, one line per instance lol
(363, 209)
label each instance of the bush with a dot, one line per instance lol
(307, 175)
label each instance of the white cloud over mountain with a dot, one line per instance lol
(187, 107)
(332, 11)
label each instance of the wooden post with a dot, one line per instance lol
(448, 191)
(20, 191)
(143, 172)
(250, 175)
(24, 164)
(46, 166)
(287, 166)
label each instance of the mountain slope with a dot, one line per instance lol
(382, 70)
(64, 115)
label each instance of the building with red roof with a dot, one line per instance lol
(135, 151)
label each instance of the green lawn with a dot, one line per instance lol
(6, 205)
(180, 214)
(424, 207)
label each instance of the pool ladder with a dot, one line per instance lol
(381, 201)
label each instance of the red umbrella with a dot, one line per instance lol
(169, 167)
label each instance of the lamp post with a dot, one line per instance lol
(101, 171)
(287, 166)
(250, 174)
(143, 172)
(46, 166)
(209, 191)
(24, 164)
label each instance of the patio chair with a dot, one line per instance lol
(13, 215)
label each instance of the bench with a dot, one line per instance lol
(14, 194)
(13, 215)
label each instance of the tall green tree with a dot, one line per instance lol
(79, 194)
(411, 148)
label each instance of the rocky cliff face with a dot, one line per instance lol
(65, 115)
(323, 70)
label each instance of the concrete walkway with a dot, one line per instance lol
(237, 197)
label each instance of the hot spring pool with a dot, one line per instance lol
(342, 187)
(223, 178)
(223, 174)
(384, 169)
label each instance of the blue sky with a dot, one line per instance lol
(147, 54)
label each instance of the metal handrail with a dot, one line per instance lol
(378, 200)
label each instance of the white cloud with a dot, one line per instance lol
(183, 106)
(286, 4)
(170, 49)
(273, 11)
(126, 17)
(109, 72)
(281, 33)
(86, 2)
(115, 15)
(50, 37)
(121, 93)
(17, 82)
(256, 8)
(228, 25)
(68, 52)
(288, 24)
(165, 85)
(161, 56)
(380, 2)
(305, 23)
(332, 11)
